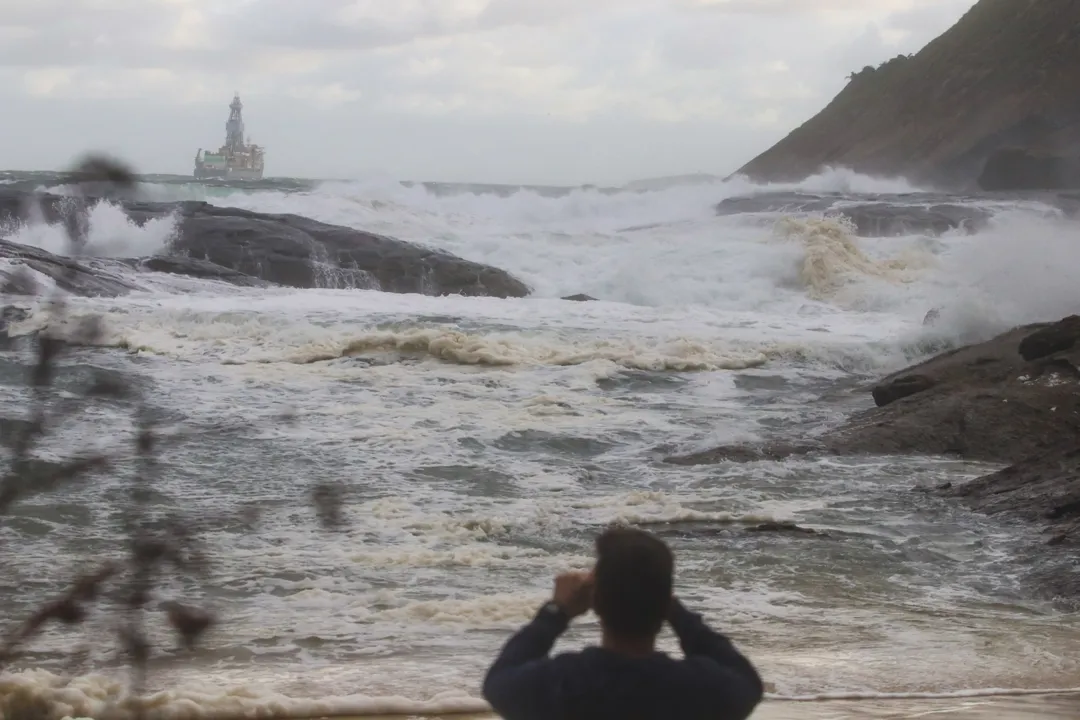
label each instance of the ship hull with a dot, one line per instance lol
(230, 174)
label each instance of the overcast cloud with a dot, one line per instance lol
(544, 91)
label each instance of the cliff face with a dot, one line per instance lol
(1006, 75)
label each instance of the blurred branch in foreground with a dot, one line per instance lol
(157, 546)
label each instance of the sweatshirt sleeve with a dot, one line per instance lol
(523, 682)
(724, 683)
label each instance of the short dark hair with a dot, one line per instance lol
(633, 582)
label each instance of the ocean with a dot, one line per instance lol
(484, 442)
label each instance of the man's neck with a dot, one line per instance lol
(629, 647)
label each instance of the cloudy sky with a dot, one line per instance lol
(539, 91)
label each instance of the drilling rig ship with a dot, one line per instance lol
(236, 159)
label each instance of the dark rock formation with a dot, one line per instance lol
(790, 202)
(879, 216)
(938, 115)
(1051, 339)
(981, 402)
(1028, 169)
(1044, 489)
(298, 252)
(884, 220)
(889, 392)
(192, 267)
(580, 297)
(279, 249)
(88, 277)
(1013, 400)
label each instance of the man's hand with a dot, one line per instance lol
(573, 593)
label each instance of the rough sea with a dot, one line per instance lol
(484, 442)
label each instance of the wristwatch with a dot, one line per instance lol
(553, 609)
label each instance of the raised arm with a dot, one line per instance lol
(723, 681)
(521, 684)
(524, 683)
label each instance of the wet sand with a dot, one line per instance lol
(1030, 707)
(1042, 707)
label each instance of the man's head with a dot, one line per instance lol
(633, 582)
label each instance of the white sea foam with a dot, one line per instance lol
(110, 233)
(488, 440)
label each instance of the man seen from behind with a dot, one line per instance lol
(625, 678)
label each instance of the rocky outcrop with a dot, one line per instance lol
(1005, 75)
(1028, 169)
(1013, 400)
(1044, 489)
(87, 277)
(878, 216)
(248, 248)
(193, 267)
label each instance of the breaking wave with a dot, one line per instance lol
(490, 438)
(833, 259)
(110, 233)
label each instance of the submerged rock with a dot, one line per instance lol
(248, 247)
(883, 216)
(580, 297)
(744, 453)
(785, 527)
(883, 220)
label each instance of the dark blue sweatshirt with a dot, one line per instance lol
(713, 682)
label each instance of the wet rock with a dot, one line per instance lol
(299, 252)
(932, 316)
(985, 402)
(197, 268)
(580, 297)
(779, 202)
(877, 216)
(280, 249)
(86, 277)
(19, 281)
(884, 220)
(784, 527)
(1042, 489)
(900, 388)
(1028, 169)
(744, 453)
(980, 402)
(1060, 336)
(10, 314)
